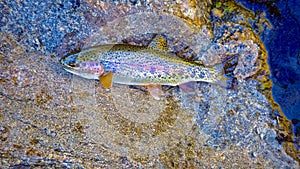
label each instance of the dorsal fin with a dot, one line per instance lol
(159, 42)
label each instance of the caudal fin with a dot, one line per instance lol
(225, 73)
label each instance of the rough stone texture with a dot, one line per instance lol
(50, 118)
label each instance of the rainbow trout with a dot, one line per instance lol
(137, 65)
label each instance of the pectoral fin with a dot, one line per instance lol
(155, 91)
(106, 80)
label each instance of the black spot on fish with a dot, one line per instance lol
(193, 74)
(202, 75)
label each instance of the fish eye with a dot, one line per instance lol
(72, 62)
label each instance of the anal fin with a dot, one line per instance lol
(188, 87)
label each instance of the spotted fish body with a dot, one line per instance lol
(136, 65)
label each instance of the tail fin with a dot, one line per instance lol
(225, 73)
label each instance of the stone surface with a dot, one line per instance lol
(50, 118)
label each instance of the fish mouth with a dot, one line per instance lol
(66, 66)
(68, 63)
(62, 61)
(61, 58)
(78, 72)
(70, 69)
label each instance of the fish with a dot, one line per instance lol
(150, 66)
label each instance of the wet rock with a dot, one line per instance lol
(50, 118)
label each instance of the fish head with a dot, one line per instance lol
(85, 68)
(70, 61)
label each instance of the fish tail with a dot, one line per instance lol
(225, 76)
(221, 78)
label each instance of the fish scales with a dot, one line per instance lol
(135, 65)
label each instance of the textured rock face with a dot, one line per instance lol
(50, 118)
